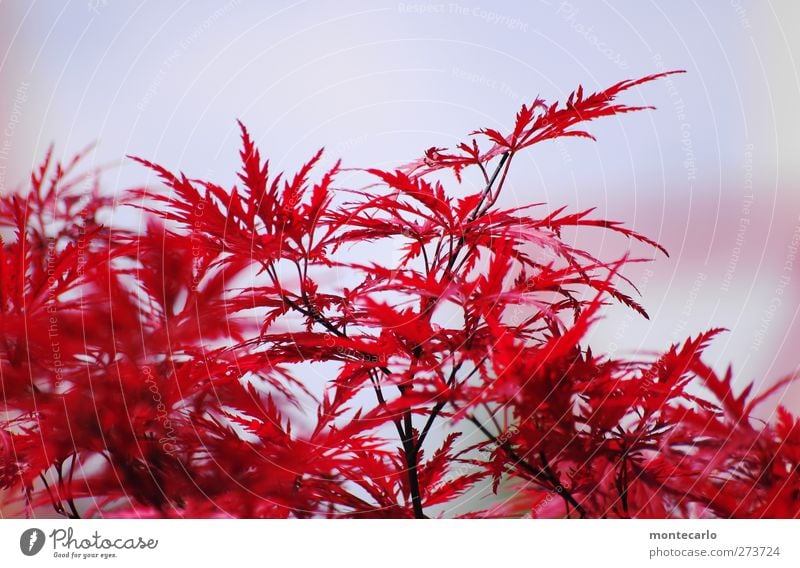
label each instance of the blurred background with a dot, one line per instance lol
(712, 174)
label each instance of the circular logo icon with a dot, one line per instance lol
(31, 541)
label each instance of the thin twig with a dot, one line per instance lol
(543, 473)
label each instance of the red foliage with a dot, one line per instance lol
(172, 371)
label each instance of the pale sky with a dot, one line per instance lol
(712, 174)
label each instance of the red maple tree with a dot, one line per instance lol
(173, 371)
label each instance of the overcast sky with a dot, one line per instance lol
(712, 174)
